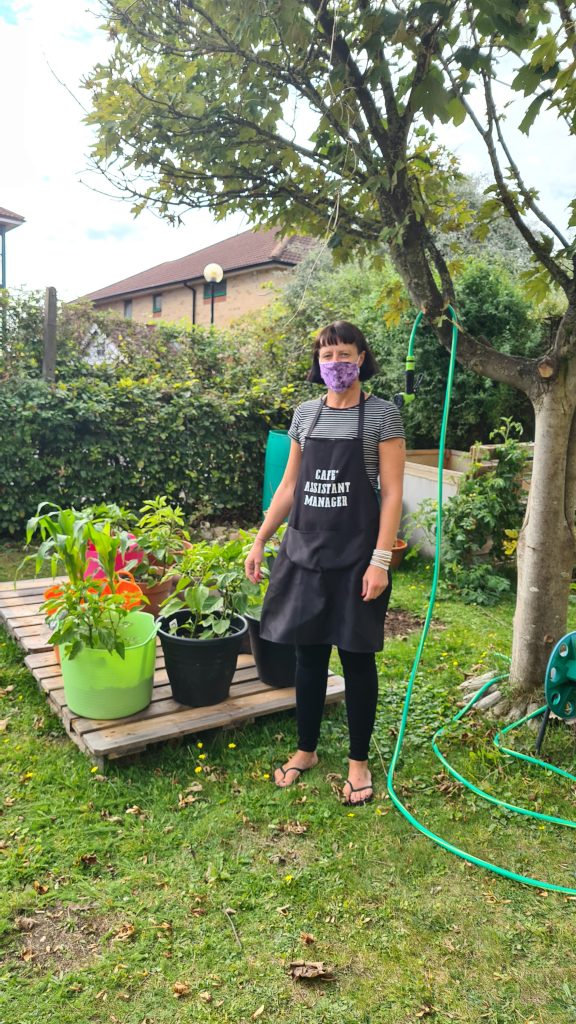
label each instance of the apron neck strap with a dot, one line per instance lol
(317, 416)
(361, 417)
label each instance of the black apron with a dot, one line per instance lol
(315, 590)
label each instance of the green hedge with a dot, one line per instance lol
(125, 440)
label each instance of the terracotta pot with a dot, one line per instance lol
(399, 549)
(156, 593)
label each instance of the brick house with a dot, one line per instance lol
(252, 262)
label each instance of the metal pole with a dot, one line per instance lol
(50, 314)
(3, 237)
(212, 287)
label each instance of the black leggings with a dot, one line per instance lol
(361, 681)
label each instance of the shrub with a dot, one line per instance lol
(479, 520)
(88, 441)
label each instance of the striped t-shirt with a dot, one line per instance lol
(382, 422)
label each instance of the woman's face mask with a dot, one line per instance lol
(339, 375)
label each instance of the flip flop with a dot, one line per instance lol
(358, 789)
(292, 768)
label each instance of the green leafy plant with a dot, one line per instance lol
(161, 534)
(85, 613)
(480, 521)
(67, 535)
(212, 588)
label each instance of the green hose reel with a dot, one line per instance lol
(560, 682)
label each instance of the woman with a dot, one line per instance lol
(330, 584)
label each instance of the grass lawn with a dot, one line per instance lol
(181, 886)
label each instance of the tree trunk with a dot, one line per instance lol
(547, 542)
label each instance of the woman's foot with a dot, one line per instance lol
(291, 771)
(357, 789)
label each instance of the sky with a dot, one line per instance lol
(78, 239)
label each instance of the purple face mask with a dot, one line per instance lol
(339, 376)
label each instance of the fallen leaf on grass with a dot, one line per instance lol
(307, 970)
(28, 954)
(206, 997)
(40, 889)
(25, 924)
(4, 724)
(125, 932)
(293, 827)
(307, 938)
(258, 1013)
(6, 690)
(180, 989)
(136, 810)
(88, 859)
(425, 1011)
(9, 801)
(186, 801)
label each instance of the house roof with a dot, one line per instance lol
(241, 252)
(10, 220)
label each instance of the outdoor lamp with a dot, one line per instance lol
(213, 274)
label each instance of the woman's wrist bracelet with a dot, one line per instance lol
(381, 558)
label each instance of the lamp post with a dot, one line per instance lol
(213, 274)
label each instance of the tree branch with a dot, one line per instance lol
(342, 51)
(541, 253)
(524, 190)
(568, 25)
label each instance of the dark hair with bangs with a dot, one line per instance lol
(342, 333)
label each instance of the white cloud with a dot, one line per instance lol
(73, 238)
(79, 240)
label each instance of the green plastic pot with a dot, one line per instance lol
(100, 684)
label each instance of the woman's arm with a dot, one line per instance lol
(279, 508)
(391, 458)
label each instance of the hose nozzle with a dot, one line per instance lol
(407, 396)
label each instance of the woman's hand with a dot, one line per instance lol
(254, 561)
(374, 583)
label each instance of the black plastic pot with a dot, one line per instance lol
(200, 671)
(276, 663)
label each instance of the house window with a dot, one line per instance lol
(219, 290)
(157, 304)
(128, 308)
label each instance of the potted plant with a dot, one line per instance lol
(161, 539)
(202, 624)
(276, 663)
(107, 649)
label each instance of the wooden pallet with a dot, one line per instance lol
(164, 719)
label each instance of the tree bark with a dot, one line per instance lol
(547, 542)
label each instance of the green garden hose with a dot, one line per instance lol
(526, 812)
